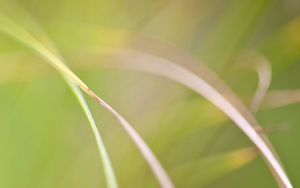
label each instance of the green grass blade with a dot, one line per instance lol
(23, 36)
(12, 29)
(108, 169)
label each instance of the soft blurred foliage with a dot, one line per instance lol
(45, 139)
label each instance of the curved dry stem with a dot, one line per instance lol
(135, 60)
(12, 29)
(262, 67)
(264, 75)
(154, 164)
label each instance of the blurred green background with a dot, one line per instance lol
(45, 139)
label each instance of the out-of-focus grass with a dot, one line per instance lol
(43, 142)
